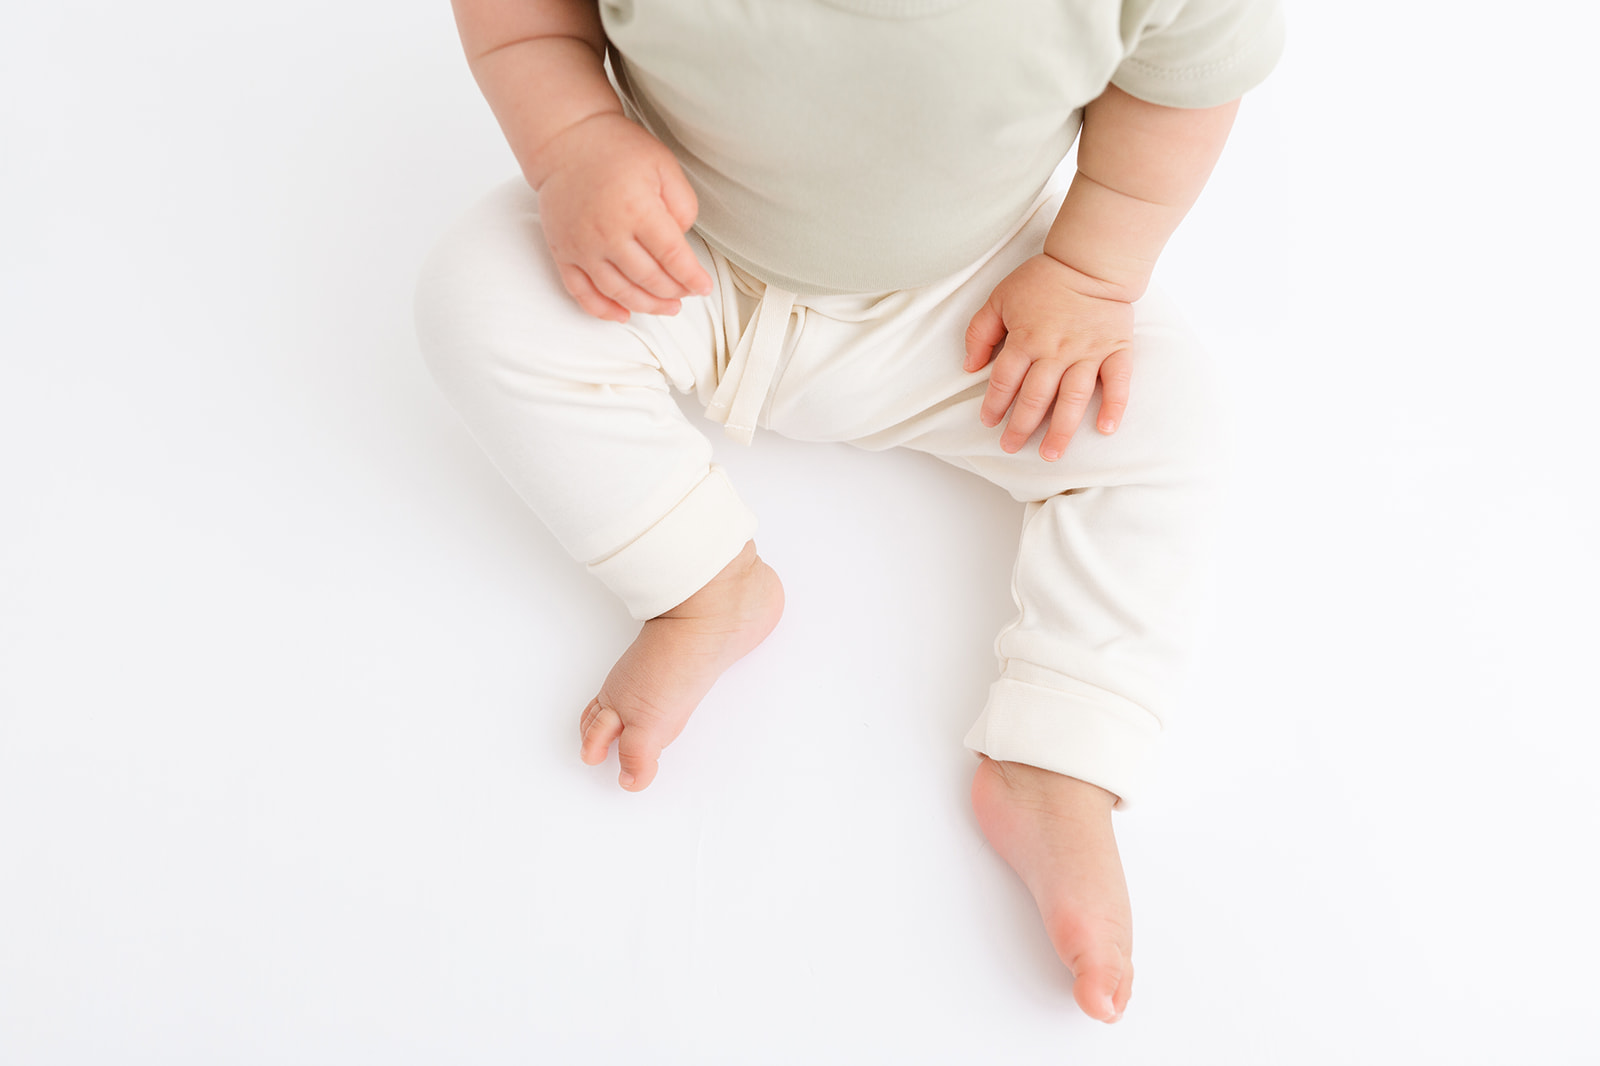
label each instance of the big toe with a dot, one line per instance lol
(1102, 992)
(1102, 971)
(639, 757)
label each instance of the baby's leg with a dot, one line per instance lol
(665, 673)
(578, 415)
(1108, 549)
(1112, 537)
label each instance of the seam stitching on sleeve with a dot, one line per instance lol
(1185, 74)
(1191, 73)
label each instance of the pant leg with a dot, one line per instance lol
(1105, 573)
(1113, 534)
(578, 413)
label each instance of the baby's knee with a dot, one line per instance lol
(1175, 407)
(474, 287)
(491, 310)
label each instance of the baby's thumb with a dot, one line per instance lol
(986, 330)
(678, 195)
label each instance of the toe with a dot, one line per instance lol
(638, 755)
(1102, 989)
(1124, 992)
(598, 727)
(1095, 952)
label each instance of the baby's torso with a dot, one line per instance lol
(863, 145)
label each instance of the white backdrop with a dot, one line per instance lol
(289, 680)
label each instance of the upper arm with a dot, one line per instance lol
(1152, 152)
(489, 25)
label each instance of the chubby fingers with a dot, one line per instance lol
(1072, 395)
(623, 290)
(1034, 395)
(1017, 376)
(650, 274)
(591, 299)
(668, 247)
(1034, 388)
(1072, 398)
(611, 289)
(1115, 374)
(641, 268)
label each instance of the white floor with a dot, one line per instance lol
(289, 680)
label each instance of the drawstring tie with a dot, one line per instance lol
(742, 391)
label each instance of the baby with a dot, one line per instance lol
(849, 220)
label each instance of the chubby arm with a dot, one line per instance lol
(540, 65)
(613, 201)
(1066, 315)
(1141, 167)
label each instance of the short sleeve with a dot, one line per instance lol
(1198, 53)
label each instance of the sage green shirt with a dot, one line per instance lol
(869, 145)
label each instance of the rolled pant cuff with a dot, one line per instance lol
(676, 557)
(1071, 728)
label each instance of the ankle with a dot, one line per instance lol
(746, 582)
(1058, 791)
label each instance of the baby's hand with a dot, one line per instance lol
(1059, 337)
(615, 207)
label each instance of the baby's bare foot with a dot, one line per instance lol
(647, 698)
(1055, 831)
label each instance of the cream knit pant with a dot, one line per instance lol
(577, 414)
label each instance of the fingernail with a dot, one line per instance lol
(1052, 454)
(1108, 426)
(626, 780)
(1111, 1009)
